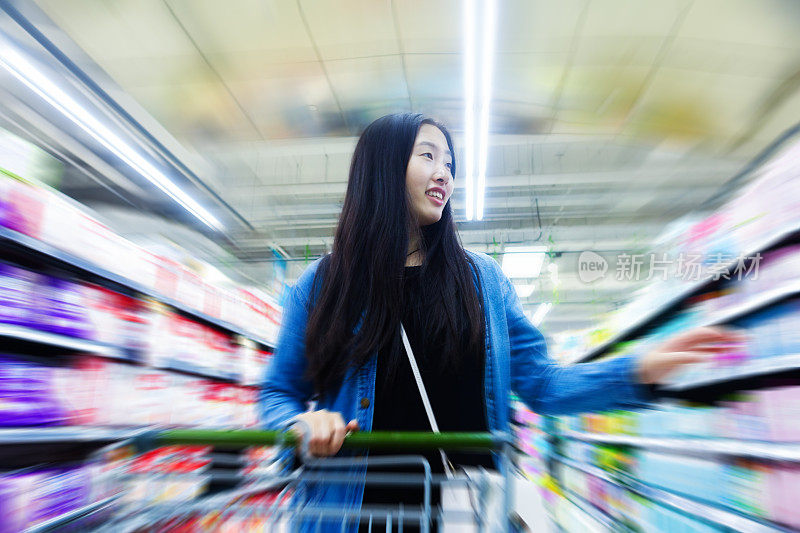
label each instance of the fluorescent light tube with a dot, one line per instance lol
(486, 98)
(524, 290)
(469, 105)
(523, 261)
(28, 74)
(540, 313)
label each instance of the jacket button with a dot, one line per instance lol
(364, 403)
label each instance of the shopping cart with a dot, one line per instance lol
(279, 497)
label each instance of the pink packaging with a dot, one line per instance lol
(167, 274)
(212, 301)
(115, 318)
(784, 488)
(150, 397)
(780, 409)
(23, 209)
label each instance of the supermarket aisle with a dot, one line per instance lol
(169, 169)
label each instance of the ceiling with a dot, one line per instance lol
(610, 118)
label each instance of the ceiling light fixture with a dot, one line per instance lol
(486, 97)
(27, 73)
(523, 261)
(469, 105)
(477, 80)
(540, 313)
(524, 289)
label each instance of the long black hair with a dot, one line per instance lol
(359, 285)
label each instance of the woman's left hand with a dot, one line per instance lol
(693, 346)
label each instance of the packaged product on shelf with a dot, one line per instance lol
(42, 302)
(29, 498)
(747, 487)
(190, 289)
(22, 208)
(224, 359)
(248, 407)
(48, 216)
(58, 307)
(166, 276)
(184, 352)
(779, 408)
(212, 300)
(116, 318)
(156, 342)
(17, 287)
(784, 488)
(773, 331)
(150, 397)
(27, 394)
(169, 474)
(254, 361)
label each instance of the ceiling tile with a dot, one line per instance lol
(700, 106)
(539, 26)
(273, 29)
(528, 78)
(367, 80)
(292, 100)
(351, 28)
(430, 27)
(115, 30)
(763, 23)
(631, 18)
(435, 76)
(691, 54)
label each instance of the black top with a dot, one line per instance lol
(456, 394)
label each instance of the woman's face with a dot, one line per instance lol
(429, 181)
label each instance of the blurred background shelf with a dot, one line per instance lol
(22, 333)
(763, 299)
(706, 512)
(605, 520)
(29, 435)
(772, 451)
(682, 294)
(82, 266)
(757, 367)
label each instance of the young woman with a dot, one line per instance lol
(396, 260)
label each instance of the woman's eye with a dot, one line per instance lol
(428, 155)
(449, 166)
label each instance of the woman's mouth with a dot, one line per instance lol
(436, 197)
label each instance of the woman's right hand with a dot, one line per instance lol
(322, 432)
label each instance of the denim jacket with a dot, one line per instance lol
(516, 360)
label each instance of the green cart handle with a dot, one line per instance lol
(395, 440)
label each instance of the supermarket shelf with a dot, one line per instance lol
(773, 451)
(607, 521)
(81, 264)
(72, 516)
(682, 294)
(10, 436)
(62, 341)
(752, 305)
(111, 351)
(186, 368)
(757, 367)
(724, 517)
